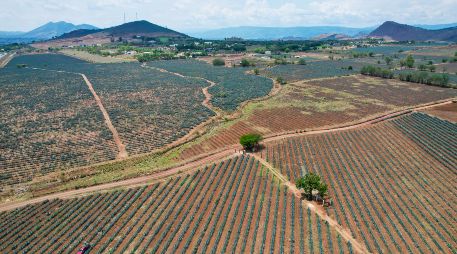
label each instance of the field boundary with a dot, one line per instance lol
(6, 59)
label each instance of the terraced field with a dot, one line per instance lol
(393, 185)
(233, 87)
(234, 206)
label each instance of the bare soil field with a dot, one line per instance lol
(446, 112)
(83, 55)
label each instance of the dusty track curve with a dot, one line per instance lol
(204, 160)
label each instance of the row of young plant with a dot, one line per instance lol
(434, 135)
(434, 215)
(391, 164)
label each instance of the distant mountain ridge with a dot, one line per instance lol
(275, 33)
(53, 29)
(402, 32)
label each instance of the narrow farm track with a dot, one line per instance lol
(122, 154)
(204, 160)
(117, 139)
(6, 59)
(345, 233)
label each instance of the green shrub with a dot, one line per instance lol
(218, 62)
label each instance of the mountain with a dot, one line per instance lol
(274, 33)
(402, 32)
(53, 29)
(125, 32)
(436, 27)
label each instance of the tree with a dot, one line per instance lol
(218, 62)
(302, 61)
(409, 61)
(245, 62)
(311, 182)
(422, 67)
(388, 60)
(256, 71)
(432, 68)
(250, 141)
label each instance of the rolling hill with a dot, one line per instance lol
(53, 29)
(401, 32)
(126, 32)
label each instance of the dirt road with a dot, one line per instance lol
(122, 154)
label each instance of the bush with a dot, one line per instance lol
(218, 62)
(245, 62)
(302, 61)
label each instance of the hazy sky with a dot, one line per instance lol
(187, 15)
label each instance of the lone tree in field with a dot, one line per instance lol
(218, 62)
(250, 141)
(312, 182)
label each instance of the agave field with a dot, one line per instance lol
(49, 120)
(389, 91)
(233, 87)
(393, 185)
(230, 207)
(313, 70)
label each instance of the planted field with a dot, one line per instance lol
(390, 91)
(233, 87)
(149, 108)
(297, 107)
(231, 207)
(313, 70)
(49, 121)
(392, 185)
(323, 103)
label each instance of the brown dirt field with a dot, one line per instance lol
(447, 67)
(447, 112)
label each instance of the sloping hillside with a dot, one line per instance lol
(401, 32)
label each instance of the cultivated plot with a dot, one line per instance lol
(393, 185)
(234, 206)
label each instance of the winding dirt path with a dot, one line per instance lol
(122, 152)
(117, 139)
(207, 102)
(205, 159)
(6, 59)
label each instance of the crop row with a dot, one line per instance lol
(234, 206)
(386, 189)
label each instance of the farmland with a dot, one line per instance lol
(324, 103)
(234, 206)
(233, 87)
(51, 121)
(393, 184)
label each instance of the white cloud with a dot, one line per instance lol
(185, 14)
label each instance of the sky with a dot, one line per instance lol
(195, 15)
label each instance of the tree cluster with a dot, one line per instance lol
(376, 72)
